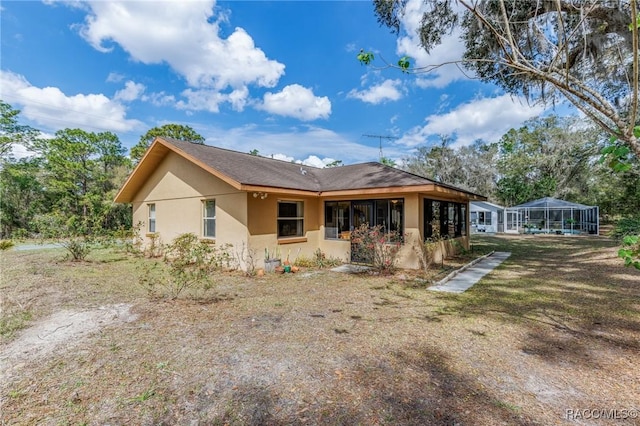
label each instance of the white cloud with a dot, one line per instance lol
(297, 143)
(486, 118)
(183, 35)
(351, 47)
(311, 161)
(206, 100)
(52, 108)
(19, 151)
(451, 49)
(159, 98)
(238, 98)
(114, 77)
(282, 157)
(131, 92)
(388, 90)
(315, 161)
(298, 102)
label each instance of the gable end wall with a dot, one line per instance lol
(177, 188)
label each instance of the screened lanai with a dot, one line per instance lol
(552, 216)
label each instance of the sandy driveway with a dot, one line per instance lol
(62, 329)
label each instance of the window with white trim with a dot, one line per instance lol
(290, 219)
(209, 218)
(152, 218)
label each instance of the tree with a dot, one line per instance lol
(583, 51)
(547, 157)
(174, 131)
(439, 163)
(22, 195)
(388, 161)
(82, 169)
(471, 167)
(11, 132)
(479, 160)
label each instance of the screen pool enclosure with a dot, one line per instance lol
(552, 216)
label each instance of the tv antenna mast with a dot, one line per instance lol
(380, 138)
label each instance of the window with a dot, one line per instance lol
(152, 218)
(337, 219)
(290, 219)
(209, 218)
(445, 218)
(341, 217)
(485, 218)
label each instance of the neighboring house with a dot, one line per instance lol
(256, 202)
(486, 217)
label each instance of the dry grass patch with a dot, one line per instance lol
(555, 327)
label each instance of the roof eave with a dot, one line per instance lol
(278, 190)
(431, 188)
(152, 157)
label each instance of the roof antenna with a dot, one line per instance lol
(380, 137)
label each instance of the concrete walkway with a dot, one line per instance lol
(24, 247)
(461, 280)
(351, 269)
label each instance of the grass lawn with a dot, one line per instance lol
(556, 327)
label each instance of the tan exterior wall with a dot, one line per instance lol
(178, 188)
(263, 233)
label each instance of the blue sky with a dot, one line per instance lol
(281, 77)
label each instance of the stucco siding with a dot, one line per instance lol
(262, 227)
(178, 188)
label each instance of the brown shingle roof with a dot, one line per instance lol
(250, 169)
(367, 175)
(243, 169)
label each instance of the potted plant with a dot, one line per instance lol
(571, 221)
(271, 259)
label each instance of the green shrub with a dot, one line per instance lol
(373, 246)
(626, 226)
(630, 251)
(319, 260)
(188, 264)
(427, 250)
(20, 234)
(627, 231)
(6, 244)
(77, 247)
(305, 262)
(155, 248)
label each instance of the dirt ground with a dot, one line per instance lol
(550, 337)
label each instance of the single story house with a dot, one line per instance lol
(259, 203)
(486, 217)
